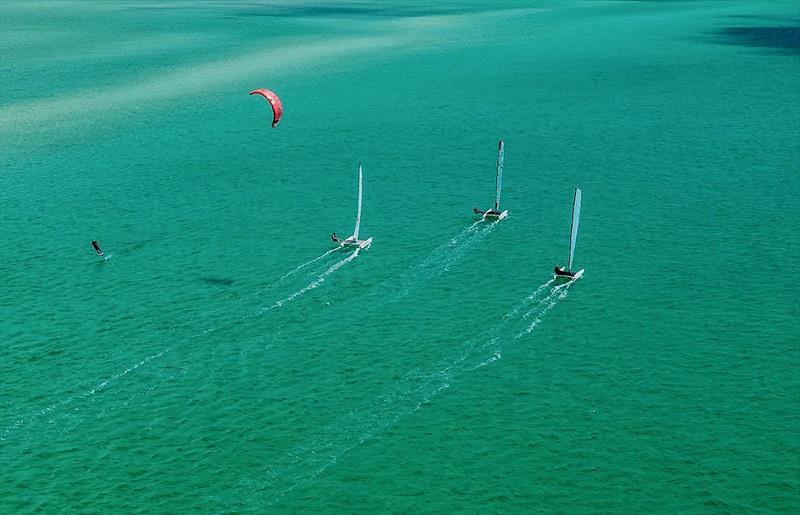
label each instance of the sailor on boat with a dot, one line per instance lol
(573, 236)
(560, 271)
(354, 241)
(96, 247)
(490, 212)
(495, 213)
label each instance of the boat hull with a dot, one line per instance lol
(496, 216)
(352, 242)
(567, 278)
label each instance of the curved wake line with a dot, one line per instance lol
(309, 262)
(444, 256)
(267, 288)
(271, 286)
(497, 355)
(307, 461)
(541, 308)
(103, 384)
(72, 398)
(313, 284)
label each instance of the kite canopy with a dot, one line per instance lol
(274, 101)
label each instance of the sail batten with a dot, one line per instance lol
(358, 213)
(499, 179)
(573, 232)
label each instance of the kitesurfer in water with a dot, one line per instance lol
(334, 238)
(561, 272)
(96, 247)
(477, 211)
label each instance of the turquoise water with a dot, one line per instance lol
(198, 369)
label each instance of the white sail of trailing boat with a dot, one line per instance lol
(498, 183)
(353, 240)
(358, 210)
(496, 214)
(573, 238)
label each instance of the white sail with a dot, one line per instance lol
(358, 214)
(499, 184)
(573, 232)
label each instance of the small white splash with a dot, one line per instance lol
(497, 355)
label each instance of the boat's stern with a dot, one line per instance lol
(495, 216)
(568, 278)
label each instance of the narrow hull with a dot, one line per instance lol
(353, 242)
(568, 278)
(496, 216)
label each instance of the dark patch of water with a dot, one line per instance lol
(784, 38)
(217, 281)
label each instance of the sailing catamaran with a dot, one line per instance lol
(353, 240)
(496, 214)
(560, 272)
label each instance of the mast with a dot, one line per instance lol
(358, 213)
(499, 179)
(573, 229)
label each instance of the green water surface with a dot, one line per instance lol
(439, 371)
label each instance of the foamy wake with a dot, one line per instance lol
(307, 461)
(313, 284)
(62, 405)
(444, 256)
(307, 263)
(72, 399)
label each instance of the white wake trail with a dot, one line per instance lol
(556, 294)
(103, 384)
(313, 284)
(99, 387)
(307, 461)
(309, 262)
(444, 256)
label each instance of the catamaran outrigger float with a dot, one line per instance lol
(496, 214)
(560, 272)
(353, 240)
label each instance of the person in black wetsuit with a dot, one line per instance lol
(563, 273)
(334, 238)
(96, 247)
(477, 211)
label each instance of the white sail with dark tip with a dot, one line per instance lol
(573, 231)
(495, 213)
(360, 191)
(353, 240)
(567, 273)
(499, 179)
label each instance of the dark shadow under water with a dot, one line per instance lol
(783, 39)
(217, 281)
